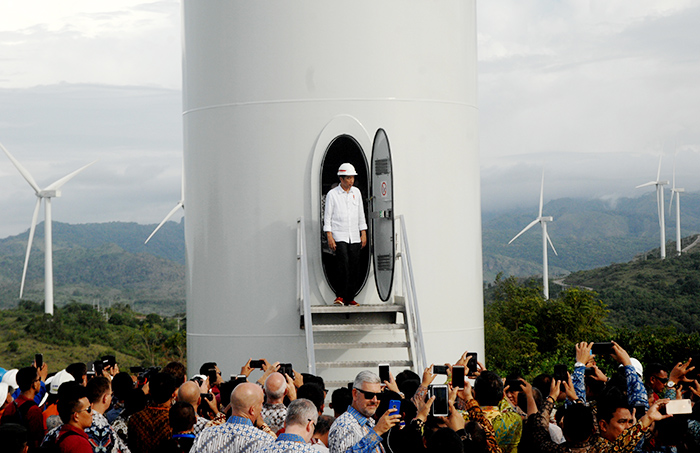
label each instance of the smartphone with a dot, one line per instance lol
(395, 404)
(561, 373)
(207, 396)
(458, 376)
(440, 407)
(674, 407)
(38, 361)
(384, 372)
(513, 382)
(91, 368)
(471, 365)
(286, 368)
(440, 369)
(602, 348)
(239, 379)
(212, 375)
(257, 363)
(98, 367)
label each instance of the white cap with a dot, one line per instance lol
(347, 170)
(10, 378)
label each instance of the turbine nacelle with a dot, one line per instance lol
(49, 194)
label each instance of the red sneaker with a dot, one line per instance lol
(338, 301)
(352, 303)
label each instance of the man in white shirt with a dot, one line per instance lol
(346, 228)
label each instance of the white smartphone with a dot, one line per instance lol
(674, 407)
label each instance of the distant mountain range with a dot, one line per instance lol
(101, 263)
(108, 262)
(586, 233)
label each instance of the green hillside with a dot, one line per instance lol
(100, 264)
(586, 233)
(648, 291)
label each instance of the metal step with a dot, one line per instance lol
(356, 327)
(365, 364)
(376, 308)
(378, 344)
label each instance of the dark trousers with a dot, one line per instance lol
(348, 256)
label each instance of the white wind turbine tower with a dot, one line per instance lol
(180, 204)
(545, 239)
(660, 205)
(46, 194)
(676, 191)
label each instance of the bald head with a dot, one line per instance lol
(189, 393)
(275, 388)
(246, 400)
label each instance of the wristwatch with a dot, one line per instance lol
(670, 384)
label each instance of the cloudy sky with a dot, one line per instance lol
(591, 91)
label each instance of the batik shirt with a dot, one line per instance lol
(274, 415)
(507, 425)
(148, 428)
(287, 443)
(624, 443)
(237, 435)
(636, 393)
(102, 437)
(353, 432)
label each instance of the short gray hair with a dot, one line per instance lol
(365, 376)
(300, 411)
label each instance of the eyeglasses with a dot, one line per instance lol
(87, 409)
(369, 395)
(660, 379)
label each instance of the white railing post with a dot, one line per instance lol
(415, 328)
(303, 293)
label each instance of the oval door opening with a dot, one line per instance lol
(382, 215)
(343, 149)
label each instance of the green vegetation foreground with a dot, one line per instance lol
(527, 334)
(81, 333)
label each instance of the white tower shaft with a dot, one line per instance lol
(48, 258)
(545, 265)
(678, 223)
(662, 222)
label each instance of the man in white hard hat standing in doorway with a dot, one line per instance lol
(345, 226)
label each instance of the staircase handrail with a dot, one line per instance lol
(412, 310)
(303, 294)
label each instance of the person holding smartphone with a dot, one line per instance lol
(355, 429)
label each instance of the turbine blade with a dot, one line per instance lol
(674, 171)
(670, 203)
(533, 223)
(650, 183)
(167, 217)
(551, 245)
(658, 172)
(23, 171)
(29, 244)
(57, 184)
(541, 193)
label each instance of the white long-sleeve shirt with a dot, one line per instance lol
(345, 214)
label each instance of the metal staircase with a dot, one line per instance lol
(386, 333)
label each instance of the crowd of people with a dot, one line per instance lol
(102, 409)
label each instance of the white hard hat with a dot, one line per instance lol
(57, 379)
(347, 170)
(4, 390)
(10, 378)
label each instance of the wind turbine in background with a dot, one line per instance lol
(676, 191)
(545, 239)
(660, 205)
(46, 194)
(180, 204)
